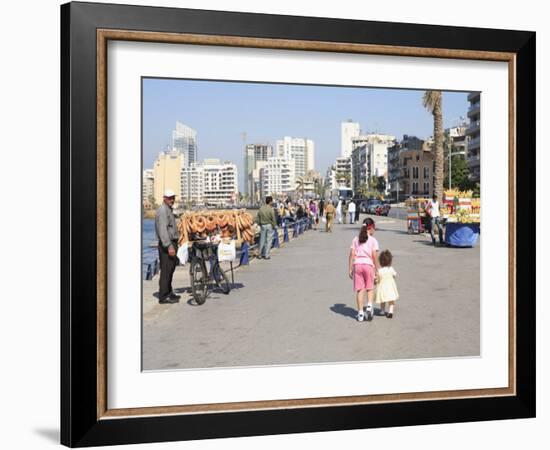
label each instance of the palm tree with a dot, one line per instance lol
(300, 185)
(432, 102)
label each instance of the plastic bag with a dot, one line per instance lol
(183, 253)
(227, 251)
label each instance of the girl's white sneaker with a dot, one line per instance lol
(360, 316)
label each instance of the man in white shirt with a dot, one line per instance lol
(433, 210)
(351, 212)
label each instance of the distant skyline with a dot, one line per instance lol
(220, 111)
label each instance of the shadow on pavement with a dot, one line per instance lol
(346, 311)
(342, 309)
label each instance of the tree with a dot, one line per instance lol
(300, 185)
(432, 101)
(460, 173)
(319, 186)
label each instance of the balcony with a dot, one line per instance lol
(473, 127)
(474, 160)
(474, 143)
(473, 109)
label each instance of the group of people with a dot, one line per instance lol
(341, 212)
(271, 215)
(367, 267)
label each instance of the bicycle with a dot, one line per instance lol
(202, 251)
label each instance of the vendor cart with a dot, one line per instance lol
(416, 216)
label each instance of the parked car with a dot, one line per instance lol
(372, 205)
(383, 209)
(362, 205)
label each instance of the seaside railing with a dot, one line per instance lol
(287, 231)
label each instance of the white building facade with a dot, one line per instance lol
(192, 184)
(300, 150)
(277, 177)
(255, 155)
(148, 184)
(349, 130)
(211, 182)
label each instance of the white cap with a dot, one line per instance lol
(169, 193)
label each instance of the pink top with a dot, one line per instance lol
(363, 252)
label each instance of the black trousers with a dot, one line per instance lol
(167, 267)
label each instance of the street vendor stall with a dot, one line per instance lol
(462, 218)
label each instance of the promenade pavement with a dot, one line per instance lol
(299, 307)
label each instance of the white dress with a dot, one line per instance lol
(386, 289)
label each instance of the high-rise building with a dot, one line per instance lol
(343, 171)
(220, 182)
(184, 140)
(277, 177)
(211, 182)
(349, 130)
(256, 185)
(167, 174)
(254, 153)
(473, 133)
(301, 150)
(192, 184)
(330, 180)
(370, 159)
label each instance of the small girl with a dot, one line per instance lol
(386, 291)
(363, 267)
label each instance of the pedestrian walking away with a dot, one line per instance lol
(329, 211)
(313, 214)
(168, 236)
(351, 212)
(432, 209)
(339, 211)
(268, 222)
(386, 289)
(345, 211)
(363, 268)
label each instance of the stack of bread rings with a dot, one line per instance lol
(234, 223)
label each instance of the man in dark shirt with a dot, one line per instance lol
(168, 236)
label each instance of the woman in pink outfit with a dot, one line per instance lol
(363, 268)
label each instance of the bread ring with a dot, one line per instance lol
(199, 224)
(211, 223)
(222, 220)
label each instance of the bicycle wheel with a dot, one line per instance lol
(221, 279)
(199, 281)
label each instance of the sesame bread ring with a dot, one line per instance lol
(211, 223)
(222, 220)
(199, 224)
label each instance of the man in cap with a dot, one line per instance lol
(168, 236)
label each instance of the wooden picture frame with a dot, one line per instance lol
(86, 28)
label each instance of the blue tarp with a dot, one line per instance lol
(461, 234)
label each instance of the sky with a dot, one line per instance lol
(221, 111)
